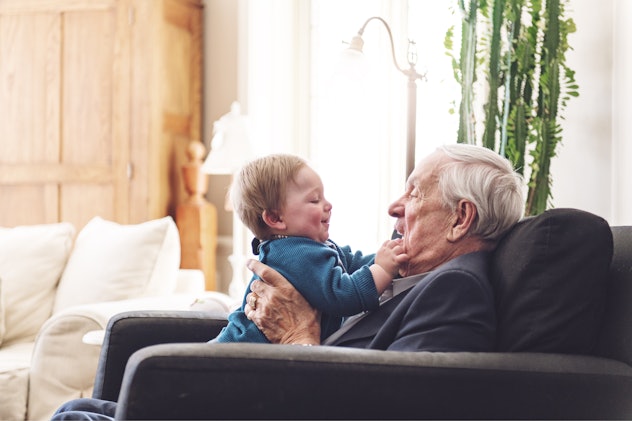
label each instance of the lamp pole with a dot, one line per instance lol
(411, 73)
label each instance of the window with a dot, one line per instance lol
(351, 128)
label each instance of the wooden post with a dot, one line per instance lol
(197, 219)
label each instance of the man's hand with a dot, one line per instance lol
(279, 310)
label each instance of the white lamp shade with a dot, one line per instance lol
(351, 65)
(230, 146)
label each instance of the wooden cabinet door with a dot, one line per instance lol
(63, 111)
(166, 102)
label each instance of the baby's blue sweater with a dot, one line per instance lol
(332, 279)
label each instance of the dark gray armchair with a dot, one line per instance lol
(564, 303)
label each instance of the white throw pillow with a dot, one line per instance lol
(111, 261)
(32, 258)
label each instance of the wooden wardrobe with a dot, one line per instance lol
(99, 100)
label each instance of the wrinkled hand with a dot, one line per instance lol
(279, 310)
(391, 256)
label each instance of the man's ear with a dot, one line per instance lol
(273, 219)
(464, 217)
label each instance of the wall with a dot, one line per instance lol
(590, 171)
(220, 90)
(622, 106)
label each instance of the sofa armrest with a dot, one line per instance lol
(262, 381)
(190, 281)
(63, 367)
(130, 331)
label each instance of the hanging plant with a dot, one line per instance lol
(512, 55)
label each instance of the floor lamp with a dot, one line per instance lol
(355, 47)
(230, 150)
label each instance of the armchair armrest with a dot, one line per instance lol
(130, 331)
(59, 346)
(261, 381)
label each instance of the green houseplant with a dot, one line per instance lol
(513, 51)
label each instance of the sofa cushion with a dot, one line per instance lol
(15, 361)
(550, 277)
(32, 258)
(112, 261)
(1, 313)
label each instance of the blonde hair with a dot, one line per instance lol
(261, 186)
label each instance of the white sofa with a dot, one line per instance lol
(58, 292)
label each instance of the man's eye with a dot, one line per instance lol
(416, 195)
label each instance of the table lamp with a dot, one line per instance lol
(230, 150)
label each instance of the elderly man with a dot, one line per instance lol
(458, 203)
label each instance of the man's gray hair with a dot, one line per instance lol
(486, 179)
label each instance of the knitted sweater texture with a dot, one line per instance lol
(331, 278)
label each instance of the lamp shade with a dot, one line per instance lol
(352, 64)
(230, 146)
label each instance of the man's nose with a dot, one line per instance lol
(396, 209)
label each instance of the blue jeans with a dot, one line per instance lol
(86, 409)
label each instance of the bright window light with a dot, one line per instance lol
(351, 126)
(359, 118)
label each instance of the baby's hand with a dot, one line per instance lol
(391, 256)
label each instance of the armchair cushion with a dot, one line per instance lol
(111, 261)
(32, 258)
(550, 277)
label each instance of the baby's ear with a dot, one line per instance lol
(273, 219)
